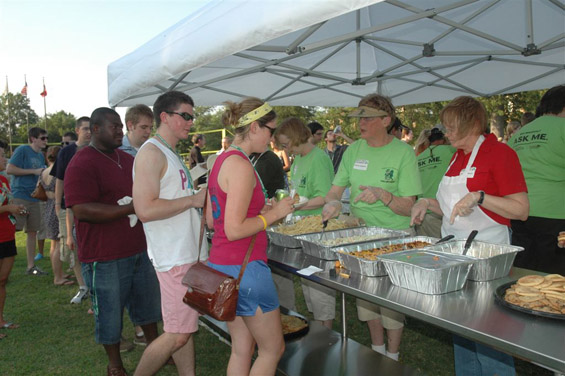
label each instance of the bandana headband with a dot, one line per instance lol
(257, 113)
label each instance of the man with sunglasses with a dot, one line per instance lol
(26, 165)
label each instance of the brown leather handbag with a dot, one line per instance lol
(39, 192)
(211, 292)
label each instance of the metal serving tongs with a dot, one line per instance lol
(324, 225)
(469, 241)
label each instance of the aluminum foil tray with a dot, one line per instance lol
(490, 261)
(290, 241)
(324, 245)
(372, 268)
(426, 271)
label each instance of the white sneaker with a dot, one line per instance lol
(80, 296)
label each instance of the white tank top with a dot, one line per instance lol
(173, 241)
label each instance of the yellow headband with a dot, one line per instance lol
(366, 111)
(257, 113)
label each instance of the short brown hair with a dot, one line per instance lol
(295, 129)
(466, 114)
(379, 102)
(133, 114)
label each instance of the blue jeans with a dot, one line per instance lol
(127, 282)
(474, 359)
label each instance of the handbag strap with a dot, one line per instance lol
(247, 255)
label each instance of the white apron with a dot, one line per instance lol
(452, 189)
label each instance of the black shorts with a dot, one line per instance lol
(8, 249)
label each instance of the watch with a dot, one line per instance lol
(481, 198)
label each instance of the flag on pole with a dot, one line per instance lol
(24, 90)
(44, 92)
(6, 89)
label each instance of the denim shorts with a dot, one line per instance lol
(256, 288)
(128, 282)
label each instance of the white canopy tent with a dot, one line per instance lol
(333, 52)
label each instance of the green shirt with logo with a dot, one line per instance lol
(312, 176)
(391, 167)
(540, 145)
(432, 164)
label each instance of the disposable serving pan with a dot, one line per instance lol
(373, 268)
(290, 241)
(427, 271)
(315, 244)
(490, 261)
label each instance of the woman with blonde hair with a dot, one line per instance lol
(237, 210)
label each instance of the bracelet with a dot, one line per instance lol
(264, 221)
(389, 201)
(481, 197)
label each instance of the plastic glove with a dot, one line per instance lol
(132, 217)
(419, 211)
(370, 195)
(465, 206)
(331, 210)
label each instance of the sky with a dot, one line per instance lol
(70, 43)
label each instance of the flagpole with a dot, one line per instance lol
(6, 92)
(44, 104)
(25, 94)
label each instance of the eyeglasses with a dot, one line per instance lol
(185, 115)
(271, 130)
(44, 138)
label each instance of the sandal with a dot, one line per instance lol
(9, 325)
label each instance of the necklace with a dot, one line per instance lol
(256, 173)
(107, 156)
(189, 177)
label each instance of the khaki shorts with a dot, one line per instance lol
(390, 319)
(431, 226)
(66, 254)
(320, 300)
(30, 222)
(285, 288)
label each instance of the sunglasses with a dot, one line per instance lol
(44, 138)
(65, 143)
(271, 130)
(185, 115)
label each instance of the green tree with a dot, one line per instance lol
(15, 115)
(57, 124)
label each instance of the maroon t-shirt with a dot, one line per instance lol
(93, 178)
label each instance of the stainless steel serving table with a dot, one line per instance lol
(324, 352)
(471, 312)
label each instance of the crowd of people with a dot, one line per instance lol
(125, 213)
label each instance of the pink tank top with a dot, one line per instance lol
(223, 251)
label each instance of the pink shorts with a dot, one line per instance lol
(177, 316)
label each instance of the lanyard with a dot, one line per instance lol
(256, 173)
(180, 159)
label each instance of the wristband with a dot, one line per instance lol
(481, 197)
(389, 201)
(264, 221)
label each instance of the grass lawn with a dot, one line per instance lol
(57, 338)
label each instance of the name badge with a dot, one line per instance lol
(471, 172)
(361, 164)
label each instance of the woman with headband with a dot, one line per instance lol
(237, 212)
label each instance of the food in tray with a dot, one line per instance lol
(546, 294)
(373, 253)
(292, 324)
(352, 239)
(308, 225)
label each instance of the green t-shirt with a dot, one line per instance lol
(391, 167)
(433, 163)
(540, 145)
(312, 176)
